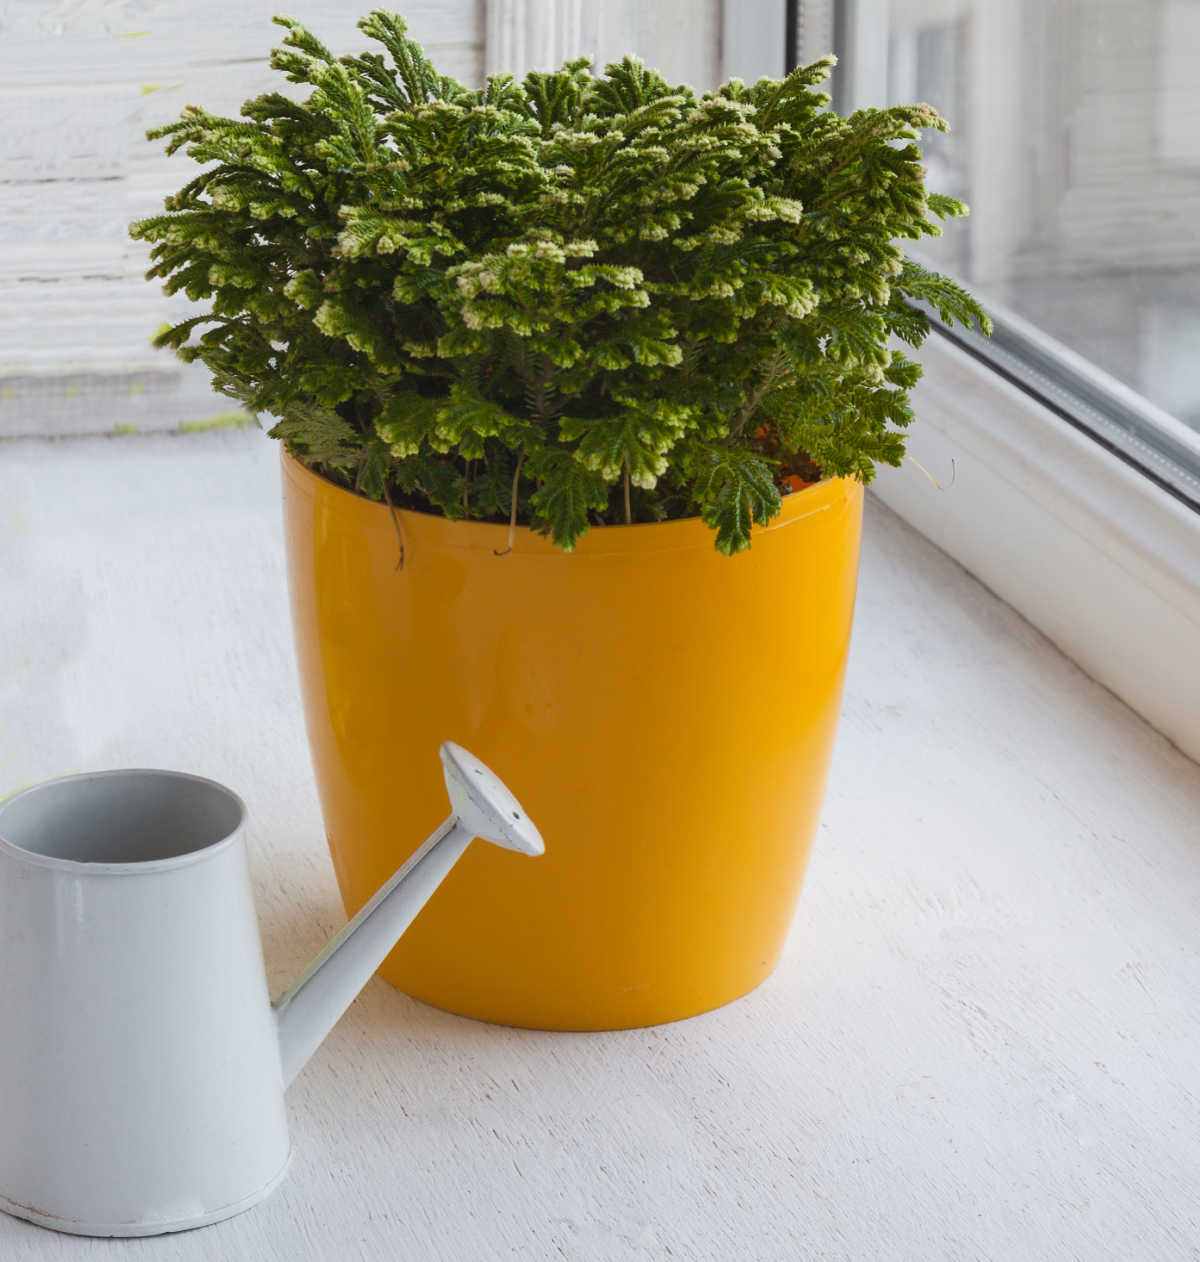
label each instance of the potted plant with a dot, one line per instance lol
(578, 379)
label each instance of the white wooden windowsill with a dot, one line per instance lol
(981, 1042)
(1087, 548)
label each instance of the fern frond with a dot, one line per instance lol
(566, 493)
(735, 490)
(319, 435)
(948, 298)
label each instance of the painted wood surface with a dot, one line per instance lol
(80, 82)
(681, 38)
(981, 1043)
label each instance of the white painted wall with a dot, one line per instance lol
(681, 38)
(80, 81)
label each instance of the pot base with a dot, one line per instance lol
(668, 1015)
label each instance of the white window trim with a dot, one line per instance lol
(752, 39)
(524, 35)
(1086, 547)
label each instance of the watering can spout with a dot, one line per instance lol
(480, 806)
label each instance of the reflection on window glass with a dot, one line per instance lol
(1077, 143)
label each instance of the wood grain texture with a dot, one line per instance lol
(80, 82)
(681, 38)
(981, 1042)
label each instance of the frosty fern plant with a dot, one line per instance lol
(570, 301)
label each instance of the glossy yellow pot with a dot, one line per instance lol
(666, 714)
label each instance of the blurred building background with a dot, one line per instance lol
(1076, 141)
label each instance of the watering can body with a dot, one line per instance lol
(142, 1064)
(139, 1060)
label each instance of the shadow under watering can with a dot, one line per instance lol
(142, 1062)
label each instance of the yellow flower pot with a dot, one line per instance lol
(665, 713)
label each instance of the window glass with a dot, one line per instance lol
(1076, 141)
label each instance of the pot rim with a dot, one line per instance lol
(435, 531)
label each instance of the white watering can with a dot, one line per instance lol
(142, 1064)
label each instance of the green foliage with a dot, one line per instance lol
(735, 488)
(620, 298)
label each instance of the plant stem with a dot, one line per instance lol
(396, 523)
(512, 515)
(628, 511)
(771, 374)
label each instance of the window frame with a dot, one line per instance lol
(1077, 391)
(1096, 541)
